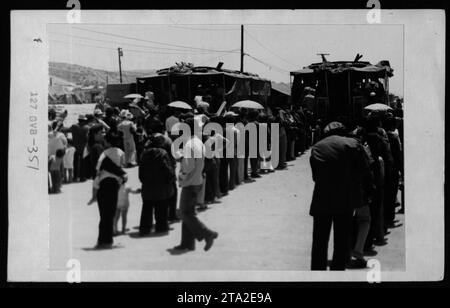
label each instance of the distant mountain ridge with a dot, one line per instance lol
(88, 76)
(66, 74)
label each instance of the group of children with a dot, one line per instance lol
(60, 166)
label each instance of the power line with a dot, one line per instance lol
(132, 50)
(71, 43)
(149, 41)
(273, 53)
(270, 66)
(120, 43)
(202, 29)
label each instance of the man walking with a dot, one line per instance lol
(191, 179)
(339, 169)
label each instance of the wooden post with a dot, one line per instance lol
(242, 48)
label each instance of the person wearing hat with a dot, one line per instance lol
(128, 129)
(79, 140)
(340, 171)
(157, 175)
(98, 114)
(110, 119)
(190, 179)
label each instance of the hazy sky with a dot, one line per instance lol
(274, 50)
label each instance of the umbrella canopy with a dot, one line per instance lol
(133, 95)
(377, 107)
(248, 104)
(180, 104)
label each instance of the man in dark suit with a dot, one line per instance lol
(339, 169)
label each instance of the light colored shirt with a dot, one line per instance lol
(68, 157)
(126, 126)
(192, 163)
(56, 141)
(117, 156)
(200, 120)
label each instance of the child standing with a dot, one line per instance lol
(68, 162)
(56, 167)
(123, 203)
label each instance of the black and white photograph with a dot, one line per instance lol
(227, 146)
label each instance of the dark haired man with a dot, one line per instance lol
(339, 168)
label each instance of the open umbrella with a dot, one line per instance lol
(248, 104)
(180, 105)
(133, 95)
(377, 107)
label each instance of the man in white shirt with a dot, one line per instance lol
(190, 179)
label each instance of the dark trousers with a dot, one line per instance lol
(254, 165)
(283, 151)
(160, 209)
(56, 180)
(321, 234)
(191, 228)
(86, 170)
(78, 172)
(391, 197)
(377, 225)
(217, 181)
(228, 181)
(211, 180)
(107, 205)
(172, 212)
(246, 167)
(233, 175)
(289, 149)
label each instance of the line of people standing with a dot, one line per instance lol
(357, 175)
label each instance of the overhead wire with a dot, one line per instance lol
(266, 48)
(123, 43)
(270, 66)
(203, 29)
(148, 41)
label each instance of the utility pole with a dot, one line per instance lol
(242, 48)
(120, 63)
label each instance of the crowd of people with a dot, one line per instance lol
(357, 172)
(102, 145)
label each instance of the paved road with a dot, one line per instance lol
(262, 226)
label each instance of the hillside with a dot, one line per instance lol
(86, 76)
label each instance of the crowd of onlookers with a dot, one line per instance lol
(357, 170)
(103, 144)
(358, 173)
